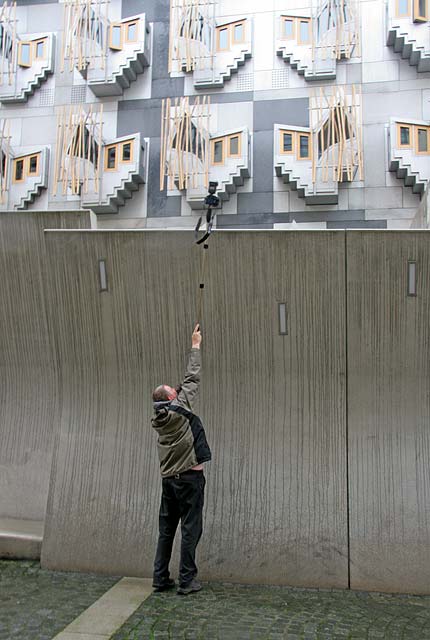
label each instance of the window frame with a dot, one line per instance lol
(218, 31)
(239, 145)
(417, 17)
(213, 142)
(122, 145)
(28, 43)
(427, 129)
(403, 15)
(233, 26)
(309, 137)
(41, 41)
(231, 40)
(113, 46)
(291, 19)
(126, 25)
(107, 147)
(299, 39)
(29, 173)
(26, 167)
(293, 142)
(404, 125)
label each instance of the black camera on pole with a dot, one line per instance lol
(212, 200)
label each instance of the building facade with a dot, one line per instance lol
(306, 115)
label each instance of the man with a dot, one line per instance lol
(182, 449)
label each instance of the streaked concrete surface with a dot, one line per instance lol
(274, 405)
(389, 411)
(30, 395)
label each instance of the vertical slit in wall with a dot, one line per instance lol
(347, 415)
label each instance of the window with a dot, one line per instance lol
(404, 136)
(287, 142)
(403, 9)
(421, 10)
(18, 173)
(295, 143)
(39, 49)
(130, 31)
(328, 135)
(24, 54)
(238, 32)
(227, 146)
(288, 28)
(230, 34)
(33, 165)
(234, 146)
(422, 140)
(218, 151)
(304, 31)
(304, 150)
(26, 166)
(223, 40)
(115, 37)
(84, 146)
(121, 152)
(110, 158)
(413, 135)
(126, 152)
(294, 27)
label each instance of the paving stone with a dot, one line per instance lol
(36, 604)
(231, 612)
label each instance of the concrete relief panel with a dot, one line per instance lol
(389, 410)
(29, 376)
(273, 405)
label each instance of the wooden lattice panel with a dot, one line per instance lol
(191, 35)
(5, 156)
(336, 29)
(85, 34)
(184, 157)
(79, 146)
(8, 39)
(336, 124)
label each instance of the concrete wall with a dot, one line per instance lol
(389, 411)
(30, 396)
(274, 405)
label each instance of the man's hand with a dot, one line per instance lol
(196, 338)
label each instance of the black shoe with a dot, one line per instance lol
(165, 586)
(192, 587)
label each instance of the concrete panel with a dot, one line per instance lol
(263, 162)
(389, 412)
(276, 499)
(294, 112)
(29, 381)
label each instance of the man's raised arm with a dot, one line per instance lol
(189, 392)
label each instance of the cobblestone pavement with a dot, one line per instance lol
(36, 604)
(229, 612)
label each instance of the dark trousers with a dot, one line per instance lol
(182, 499)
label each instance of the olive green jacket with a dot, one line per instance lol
(181, 438)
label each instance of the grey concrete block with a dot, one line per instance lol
(155, 10)
(356, 198)
(353, 73)
(383, 197)
(172, 87)
(139, 115)
(374, 154)
(268, 112)
(220, 98)
(358, 224)
(262, 165)
(255, 202)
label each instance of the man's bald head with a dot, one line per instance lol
(164, 393)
